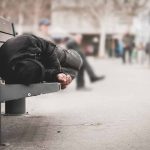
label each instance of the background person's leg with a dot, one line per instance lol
(89, 69)
(86, 66)
(130, 56)
(124, 56)
(80, 79)
(93, 77)
(149, 60)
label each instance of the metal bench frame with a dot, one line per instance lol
(14, 93)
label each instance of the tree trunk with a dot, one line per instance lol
(102, 41)
(36, 13)
(20, 23)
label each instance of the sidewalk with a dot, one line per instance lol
(114, 115)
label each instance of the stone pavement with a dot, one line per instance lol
(114, 115)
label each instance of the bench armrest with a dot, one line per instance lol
(17, 91)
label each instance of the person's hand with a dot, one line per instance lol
(64, 79)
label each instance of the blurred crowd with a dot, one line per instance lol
(124, 46)
(130, 50)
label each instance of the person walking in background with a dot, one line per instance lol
(96, 46)
(147, 50)
(43, 29)
(140, 53)
(120, 47)
(128, 41)
(76, 45)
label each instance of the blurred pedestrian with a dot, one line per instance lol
(140, 53)
(128, 42)
(43, 29)
(95, 41)
(118, 47)
(147, 49)
(76, 45)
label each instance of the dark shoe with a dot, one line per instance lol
(95, 79)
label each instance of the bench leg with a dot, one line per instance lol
(1, 144)
(0, 126)
(15, 107)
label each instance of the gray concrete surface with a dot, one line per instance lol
(114, 115)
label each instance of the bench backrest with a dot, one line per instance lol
(7, 30)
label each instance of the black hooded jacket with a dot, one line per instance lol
(29, 46)
(54, 59)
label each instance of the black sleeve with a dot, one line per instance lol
(52, 63)
(72, 60)
(48, 58)
(70, 45)
(51, 57)
(51, 75)
(72, 72)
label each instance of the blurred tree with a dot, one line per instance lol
(128, 9)
(97, 12)
(100, 12)
(25, 12)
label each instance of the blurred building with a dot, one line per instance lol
(25, 13)
(98, 21)
(75, 17)
(142, 27)
(109, 19)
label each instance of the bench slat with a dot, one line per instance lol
(4, 37)
(1, 44)
(6, 26)
(17, 91)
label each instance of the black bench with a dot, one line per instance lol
(14, 94)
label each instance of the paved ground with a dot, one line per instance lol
(115, 115)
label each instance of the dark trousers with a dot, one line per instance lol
(149, 59)
(129, 51)
(86, 67)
